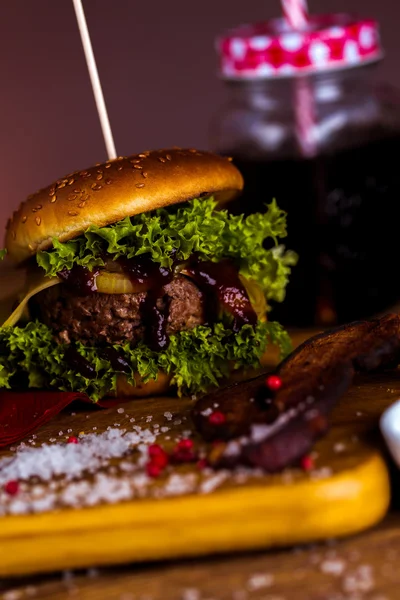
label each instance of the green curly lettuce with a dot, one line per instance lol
(177, 233)
(197, 359)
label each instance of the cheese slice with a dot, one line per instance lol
(256, 297)
(36, 282)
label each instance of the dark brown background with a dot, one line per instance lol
(157, 64)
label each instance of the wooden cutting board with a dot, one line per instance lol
(347, 492)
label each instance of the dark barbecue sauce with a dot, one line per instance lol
(154, 308)
(142, 271)
(343, 221)
(80, 279)
(117, 362)
(218, 282)
(78, 363)
(222, 288)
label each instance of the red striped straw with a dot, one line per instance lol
(296, 14)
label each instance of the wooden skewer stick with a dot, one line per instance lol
(95, 80)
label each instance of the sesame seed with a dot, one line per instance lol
(142, 155)
(72, 197)
(108, 181)
(81, 204)
(71, 181)
(52, 191)
(139, 185)
(77, 190)
(99, 176)
(168, 157)
(162, 159)
(38, 220)
(31, 248)
(137, 167)
(107, 166)
(193, 150)
(53, 199)
(72, 213)
(96, 187)
(144, 174)
(119, 168)
(23, 220)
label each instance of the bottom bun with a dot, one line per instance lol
(141, 389)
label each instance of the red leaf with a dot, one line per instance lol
(23, 412)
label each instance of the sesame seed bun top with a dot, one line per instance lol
(109, 192)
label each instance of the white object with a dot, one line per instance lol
(305, 117)
(95, 80)
(295, 12)
(296, 15)
(390, 428)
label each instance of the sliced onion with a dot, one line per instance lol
(256, 297)
(118, 283)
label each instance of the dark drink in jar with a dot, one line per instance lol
(341, 191)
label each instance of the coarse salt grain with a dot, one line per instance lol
(259, 581)
(94, 451)
(322, 473)
(120, 410)
(206, 412)
(176, 485)
(339, 447)
(209, 485)
(168, 415)
(361, 580)
(333, 567)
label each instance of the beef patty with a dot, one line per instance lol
(115, 318)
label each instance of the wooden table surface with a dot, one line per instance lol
(366, 566)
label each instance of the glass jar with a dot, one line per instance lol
(341, 189)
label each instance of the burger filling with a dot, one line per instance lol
(117, 318)
(182, 290)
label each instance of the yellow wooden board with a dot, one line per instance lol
(348, 491)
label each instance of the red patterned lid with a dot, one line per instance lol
(273, 49)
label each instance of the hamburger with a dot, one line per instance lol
(139, 279)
